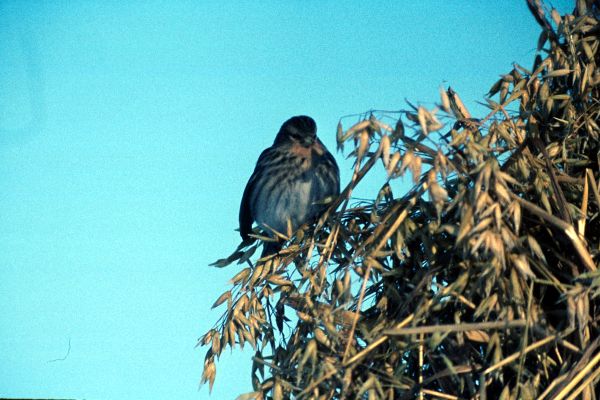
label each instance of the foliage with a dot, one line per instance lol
(481, 282)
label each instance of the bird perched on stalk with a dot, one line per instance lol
(289, 183)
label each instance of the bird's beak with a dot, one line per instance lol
(308, 141)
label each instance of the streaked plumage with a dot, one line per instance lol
(290, 177)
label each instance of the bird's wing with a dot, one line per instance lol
(330, 170)
(246, 216)
(334, 173)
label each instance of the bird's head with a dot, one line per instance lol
(300, 129)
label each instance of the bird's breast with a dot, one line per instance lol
(292, 187)
(292, 200)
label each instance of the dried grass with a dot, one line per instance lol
(481, 282)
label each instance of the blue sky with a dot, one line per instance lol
(127, 133)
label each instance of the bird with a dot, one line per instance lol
(289, 183)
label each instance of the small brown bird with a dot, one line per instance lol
(290, 180)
